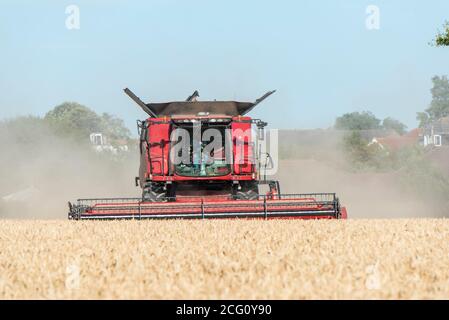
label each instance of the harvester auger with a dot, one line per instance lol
(201, 159)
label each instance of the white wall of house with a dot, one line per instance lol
(435, 140)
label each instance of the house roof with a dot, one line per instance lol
(440, 126)
(396, 142)
(414, 133)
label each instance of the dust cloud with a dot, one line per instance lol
(41, 172)
(319, 164)
(365, 195)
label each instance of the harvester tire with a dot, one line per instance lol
(154, 193)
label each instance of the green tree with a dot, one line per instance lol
(357, 121)
(439, 107)
(114, 127)
(23, 130)
(362, 155)
(423, 118)
(442, 38)
(393, 124)
(356, 147)
(73, 119)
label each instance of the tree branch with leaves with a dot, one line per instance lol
(442, 38)
(439, 106)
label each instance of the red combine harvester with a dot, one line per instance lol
(201, 159)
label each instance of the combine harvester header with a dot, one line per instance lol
(202, 159)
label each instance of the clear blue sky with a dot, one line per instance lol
(319, 55)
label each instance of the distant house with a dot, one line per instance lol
(436, 133)
(101, 143)
(394, 141)
(98, 139)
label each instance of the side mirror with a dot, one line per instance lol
(261, 133)
(261, 129)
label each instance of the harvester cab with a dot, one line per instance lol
(202, 159)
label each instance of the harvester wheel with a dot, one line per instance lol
(154, 193)
(248, 191)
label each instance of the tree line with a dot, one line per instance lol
(69, 120)
(366, 120)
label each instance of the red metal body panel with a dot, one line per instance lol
(159, 146)
(344, 213)
(242, 147)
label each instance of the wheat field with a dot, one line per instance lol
(232, 259)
